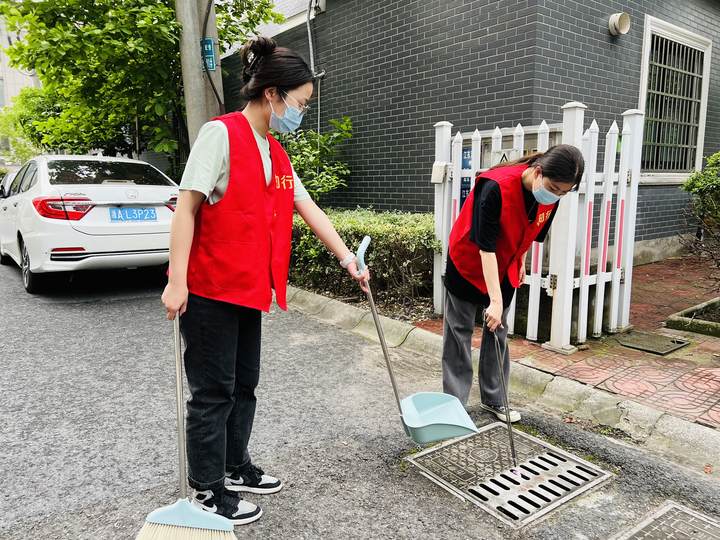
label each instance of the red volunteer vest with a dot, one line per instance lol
(241, 247)
(516, 231)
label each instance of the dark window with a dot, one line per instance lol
(674, 92)
(73, 172)
(15, 186)
(30, 177)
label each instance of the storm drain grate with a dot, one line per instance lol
(673, 520)
(478, 468)
(653, 343)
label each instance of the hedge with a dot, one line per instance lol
(400, 256)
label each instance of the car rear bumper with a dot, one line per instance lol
(69, 252)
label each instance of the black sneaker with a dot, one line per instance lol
(230, 505)
(252, 480)
(499, 412)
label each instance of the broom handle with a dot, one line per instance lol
(376, 318)
(506, 403)
(180, 410)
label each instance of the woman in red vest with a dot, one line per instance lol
(511, 206)
(229, 248)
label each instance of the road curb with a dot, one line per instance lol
(686, 442)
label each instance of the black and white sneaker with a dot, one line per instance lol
(499, 412)
(252, 480)
(229, 505)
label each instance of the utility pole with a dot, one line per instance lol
(200, 101)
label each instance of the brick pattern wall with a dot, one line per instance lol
(396, 68)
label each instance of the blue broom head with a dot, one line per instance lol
(183, 514)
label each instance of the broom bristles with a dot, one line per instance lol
(155, 531)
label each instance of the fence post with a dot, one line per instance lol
(611, 140)
(517, 152)
(636, 120)
(496, 150)
(442, 158)
(591, 146)
(476, 156)
(562, 243)
(536, 261)
(616, 273)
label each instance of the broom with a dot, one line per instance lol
(182, 520)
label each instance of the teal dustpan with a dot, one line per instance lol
(427, 416)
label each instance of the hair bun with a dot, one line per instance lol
(253, 52)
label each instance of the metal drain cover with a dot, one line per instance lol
(478, 468)
(673, 520)
(649, 342)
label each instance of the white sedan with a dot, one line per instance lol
(67, 213)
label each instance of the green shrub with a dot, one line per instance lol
(400, 256)
(704, 186)
(315, 157)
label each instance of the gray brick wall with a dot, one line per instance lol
(398, 67)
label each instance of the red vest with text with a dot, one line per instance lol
(241, 247)
(516, 231)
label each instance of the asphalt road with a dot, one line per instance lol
(88, 430)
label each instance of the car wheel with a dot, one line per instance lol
(33, 282)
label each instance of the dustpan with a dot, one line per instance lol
(426, 416)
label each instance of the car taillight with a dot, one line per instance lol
(171, 203)
(73, 208)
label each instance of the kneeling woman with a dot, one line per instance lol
(511, 206)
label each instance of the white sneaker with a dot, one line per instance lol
(500, 413)
(252, 480)
(229, 505)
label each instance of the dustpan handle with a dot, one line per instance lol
(378, 325)
(179, 406)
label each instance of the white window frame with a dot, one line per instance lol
(656, 26)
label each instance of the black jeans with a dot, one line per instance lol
(222, 364)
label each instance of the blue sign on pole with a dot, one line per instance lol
(208, 52)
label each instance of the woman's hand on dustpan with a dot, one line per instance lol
(361, 277)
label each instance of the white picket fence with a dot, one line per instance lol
(571, 256)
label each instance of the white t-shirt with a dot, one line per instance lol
(207, 168)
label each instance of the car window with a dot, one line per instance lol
(82, 172)
(29, 178)
(15, 186)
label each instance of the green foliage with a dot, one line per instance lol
(17, 125)
(400, 255)
(106, 63)
(315, 157)
(704, 185)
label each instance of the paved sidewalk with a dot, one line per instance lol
(685, 383)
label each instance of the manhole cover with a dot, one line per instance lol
(654, 343)
(674, 521)
(478, 467)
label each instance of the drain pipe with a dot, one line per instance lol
(317, 75)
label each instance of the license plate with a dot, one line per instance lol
(132, 214)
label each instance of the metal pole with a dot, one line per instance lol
(182, 469)
(212, 105)
(194, 84)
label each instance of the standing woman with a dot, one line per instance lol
(511, 206)
(229, 248)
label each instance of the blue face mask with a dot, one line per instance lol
(544, 196)
(290, 121)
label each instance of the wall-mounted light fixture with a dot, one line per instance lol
(619, 24)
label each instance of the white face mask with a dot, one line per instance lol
(544, 195)
(289, 121)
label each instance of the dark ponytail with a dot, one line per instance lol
(266, 65)
(561, 163)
